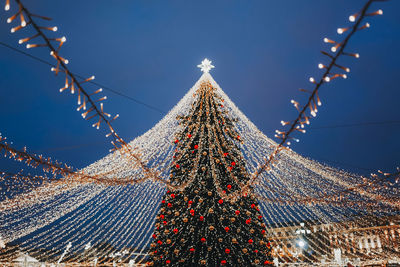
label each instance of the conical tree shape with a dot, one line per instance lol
(200, 225)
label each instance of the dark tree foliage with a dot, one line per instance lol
(199, 224)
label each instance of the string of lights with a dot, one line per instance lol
(313, 101)
(92, 109)
(113, 217)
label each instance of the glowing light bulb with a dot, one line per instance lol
(9, 20)
(312, 79)
(283, 123)
(352, 18)
(7, 7)
(292, 101)
(66, 61)
(367, 25)
(63, 39)
(28, 46)
(51, 53)
(12, 30)
(321, 66)
(344, 76)
(313, 113)
(326, 40)
(347, 69)
(340, 30)
(54, 29)
(20, 41)
(357, 55)
(23, 23)
(327, 79)
(53, 69)
(333, 49)
(379, 12)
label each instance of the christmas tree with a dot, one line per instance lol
(200, 222)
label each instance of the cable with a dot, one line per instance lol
(81, 77)
(355, 124)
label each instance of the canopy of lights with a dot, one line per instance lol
(109, 207)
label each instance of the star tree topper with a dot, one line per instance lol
(205, 65)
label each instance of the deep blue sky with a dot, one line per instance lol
(263, 52)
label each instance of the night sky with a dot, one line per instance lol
(263, 52)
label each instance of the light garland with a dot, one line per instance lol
(121, 211)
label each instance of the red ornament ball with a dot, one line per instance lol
(177, 166)
(167, 261)
(173, 195)
(196, 146)
(169, 205)
(159, 242)
(154, 236)
(175, 231)
(250, 241)
(237, 212)
(223, 262)
(162, 216)
(253, 206)
(190, 202)
(227, 229)
(227, 251)
(203, 240)
(176, 141)
(220, 201)
(201, 218)
(165, 222)
(267, 262)
(229, 186)
(263, 231)
(191, 249)
(233, 163)
(248, 221)
(163, 201)
(189, 135)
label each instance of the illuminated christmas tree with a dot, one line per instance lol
(200, 222)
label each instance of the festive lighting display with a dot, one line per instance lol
(108, 211)
(311, 105)
(92, 109)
